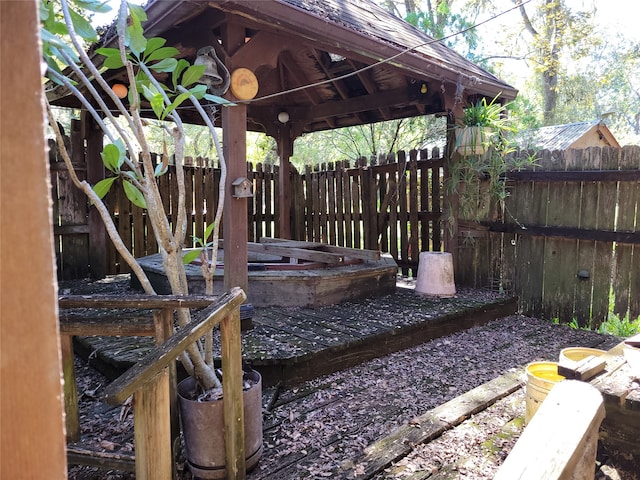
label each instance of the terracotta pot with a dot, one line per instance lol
(203, 429)
(471, 140)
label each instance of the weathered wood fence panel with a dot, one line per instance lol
(568, 236)
(379, 203)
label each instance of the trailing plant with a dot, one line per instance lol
(126, 155)
(478, 179)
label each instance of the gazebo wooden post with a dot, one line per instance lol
(285, 150)
(236, 230)
(95, 172)
(452, 201)
(236, 270)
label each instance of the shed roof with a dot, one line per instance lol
(364, 64)
(572, 135)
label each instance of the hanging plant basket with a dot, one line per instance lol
(472, 140)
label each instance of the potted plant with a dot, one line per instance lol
(476, 173)
(481, 124)
(126, 156)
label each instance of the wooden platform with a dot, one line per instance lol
(291, 344)
(285, 272)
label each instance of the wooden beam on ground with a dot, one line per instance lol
(161, 356)
(107, 460)
(561, 440)
(299, 253)
(426, 427)
(372, 255)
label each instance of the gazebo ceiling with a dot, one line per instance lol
(364, 64)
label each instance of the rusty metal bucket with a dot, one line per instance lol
(203, 429)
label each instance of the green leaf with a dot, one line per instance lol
(157, 104)
(111, 157)
(192, 75)
(190, 256)
(107, 52)
(153, 44)
(148, 90)
(45, 10)
(176, 103)
(208, 231)
(166, 65)
(159, 171)
(83, 27)
(52, 39)
(162, 53)
(103, 186)
(155, 99)
(134, 195)
(198, 91)
(113, 62)
(69, 51)
(134, 35)
(94, 5)
(219, 100)
(182, 64)
(137, 12)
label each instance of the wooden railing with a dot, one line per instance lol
(151, 381)
(561, 440)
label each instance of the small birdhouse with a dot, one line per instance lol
(242, 187)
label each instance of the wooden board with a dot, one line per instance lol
(573, 411)
(432, 424)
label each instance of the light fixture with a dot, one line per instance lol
(283, 117)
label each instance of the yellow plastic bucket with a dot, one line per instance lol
(541, 377)
(576, 354)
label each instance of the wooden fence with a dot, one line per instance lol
(391, 203)
(568, 242)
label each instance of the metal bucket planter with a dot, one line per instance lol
(203, 428)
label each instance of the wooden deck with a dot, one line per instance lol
(319, 428)
(288, 345)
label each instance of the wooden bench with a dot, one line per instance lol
(152, 382)
(560, 442)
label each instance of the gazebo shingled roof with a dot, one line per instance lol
(349, 61)
(293, 43)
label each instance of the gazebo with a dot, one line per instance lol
(318, 64)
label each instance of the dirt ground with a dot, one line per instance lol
(411, 382)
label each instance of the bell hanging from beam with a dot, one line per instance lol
(216, 83)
